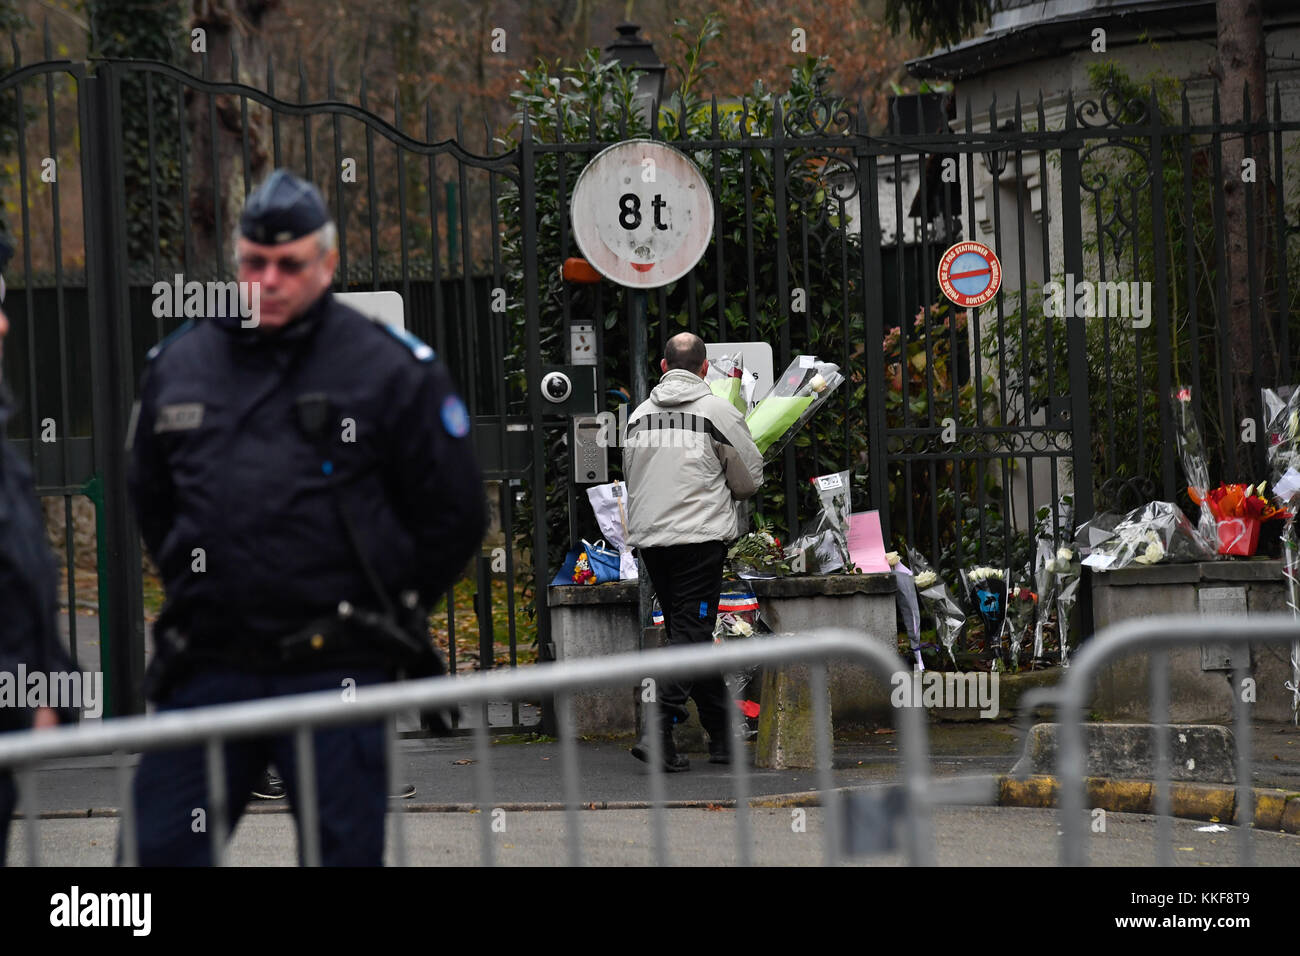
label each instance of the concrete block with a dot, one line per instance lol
(786, 727)
(1197, 695)
(1198, 753)
(857, 693)
(597, 621)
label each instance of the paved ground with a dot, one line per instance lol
(444, 770)
(965, 836)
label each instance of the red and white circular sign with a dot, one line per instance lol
(970, 274)
(642, 213)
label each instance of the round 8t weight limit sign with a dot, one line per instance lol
(642, 214)
(970, 274)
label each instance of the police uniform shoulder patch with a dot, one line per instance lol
(420, 350)
(455, 418)
(187, 326)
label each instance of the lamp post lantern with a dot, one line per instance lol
(635, 52)
(995, 161)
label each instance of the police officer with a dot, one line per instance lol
(28, 583)
(303, 477)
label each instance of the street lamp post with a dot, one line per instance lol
(635, 52)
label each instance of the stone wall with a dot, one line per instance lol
(1198, 693)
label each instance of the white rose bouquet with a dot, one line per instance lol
(948, 616)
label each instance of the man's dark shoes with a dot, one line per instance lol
(270, 787)
(719, 752)
(670, 759)
(403, 791)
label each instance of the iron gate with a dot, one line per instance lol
(957, 427)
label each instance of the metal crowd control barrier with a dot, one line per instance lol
(1156, 635)
(299, 714)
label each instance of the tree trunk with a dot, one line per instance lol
(217, 162)
(1242, 75)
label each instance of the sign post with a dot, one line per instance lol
(642, 215)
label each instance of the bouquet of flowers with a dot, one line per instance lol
(726, 380)
(1057, 568)
(1022, 606)
(986, 592)
(908, 604)
(1156, 532)
(949, 618)
(1239, 511)
(1282, 414)
(793, 399)
(1282, 425)
(758, 554)
(823, 543)
(1192, 452)
(1058, 583)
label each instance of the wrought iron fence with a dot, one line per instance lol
(960, 426)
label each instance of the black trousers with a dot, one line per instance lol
(351, 773)
(688, 579)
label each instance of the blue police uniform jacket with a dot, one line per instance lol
(232, 495)
(28, 581)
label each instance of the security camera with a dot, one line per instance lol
(556, 387)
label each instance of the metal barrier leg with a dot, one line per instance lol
(309, 804)
(1160, 719)
(659, 824)
(1245, 795)
(128, 845)
(825, 777)
(217, 808)
(919, 823)
(740, 767)
(569, 762)
(396, 805)
(483, 786)
(1070, 760)
(26, 776)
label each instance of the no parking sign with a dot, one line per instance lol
(970, 274)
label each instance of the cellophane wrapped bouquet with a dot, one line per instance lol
(794, 398)
(823, 542)
(948, 616)
(726, 379)
(1282, 425)
(1154, 533)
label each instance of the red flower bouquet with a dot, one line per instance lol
(1239, 510)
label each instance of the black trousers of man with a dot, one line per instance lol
(687, 579)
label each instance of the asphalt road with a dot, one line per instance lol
(965, 836)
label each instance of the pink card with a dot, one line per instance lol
(866, 543)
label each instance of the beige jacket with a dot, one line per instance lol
(687, 458)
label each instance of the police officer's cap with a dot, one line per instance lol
(282, 209)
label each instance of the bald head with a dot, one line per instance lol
(685, 350)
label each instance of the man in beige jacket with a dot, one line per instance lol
(688, 457)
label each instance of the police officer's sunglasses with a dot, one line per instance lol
(287, 266)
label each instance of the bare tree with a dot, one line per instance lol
(218, 184)
(1244, 98)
